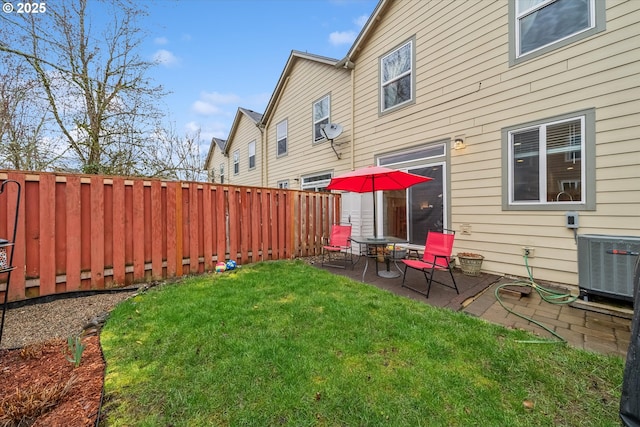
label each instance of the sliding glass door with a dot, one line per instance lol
(410, 214)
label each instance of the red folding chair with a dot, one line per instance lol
(437, 257)
(338, 246)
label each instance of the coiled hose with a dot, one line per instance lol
(549, 295)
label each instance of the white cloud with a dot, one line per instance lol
(361, 20)
(165, 58)
(220, 98)
(209, 130)
(342, 37)
(192, 127)
(161, 40)
(217, 110)
(216, 104)
(205, 108)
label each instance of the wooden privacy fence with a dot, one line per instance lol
(82, 232)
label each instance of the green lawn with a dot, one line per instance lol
(286, 344)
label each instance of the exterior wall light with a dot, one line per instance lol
(458, 144)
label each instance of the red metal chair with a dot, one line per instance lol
(437, 257)
(338, 244)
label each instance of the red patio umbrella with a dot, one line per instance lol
(375, 178)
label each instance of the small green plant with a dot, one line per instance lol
(76, 348)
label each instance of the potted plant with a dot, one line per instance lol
(470, 263)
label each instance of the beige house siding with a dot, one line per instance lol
(304, 82)
(215, 157)
(245, 132)
(465, 87)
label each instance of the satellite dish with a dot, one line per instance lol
(332, 130)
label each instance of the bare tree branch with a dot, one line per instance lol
(94, 81)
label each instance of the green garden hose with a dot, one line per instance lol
(549, 295)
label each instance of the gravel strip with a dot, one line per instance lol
(60, 318)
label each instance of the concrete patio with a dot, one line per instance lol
(603, 328)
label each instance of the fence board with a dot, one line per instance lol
(97, 232)
(156, 230)
(193, 250)
(32, 228)
(245, 225)
(17, 287)
(282, 224)
(207, 228)
(108, 232)
(138, 230)
(60, 243)
(233, 220)
(119, 232)
(221, 223)
(265, 223)
(47, 235)
(172, 235)
(255, 224)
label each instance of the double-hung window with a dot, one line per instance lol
(252, 155)
(549, 163)
(236, 162)
(397, 79)
(221, 173)
(538, 26)
(320, 117)
(281, 138)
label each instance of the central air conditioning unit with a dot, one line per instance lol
(606, 265)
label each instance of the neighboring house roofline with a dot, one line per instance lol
(254, 116)
(282, 81)
(214, 141)
(372, 22)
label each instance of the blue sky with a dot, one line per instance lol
(218, 55)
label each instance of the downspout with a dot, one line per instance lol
(350, 65)
(263, 158)
(353, 113)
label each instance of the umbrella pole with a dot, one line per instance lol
(375, 222)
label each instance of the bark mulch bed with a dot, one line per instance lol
(39, 386)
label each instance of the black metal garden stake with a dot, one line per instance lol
(6, 263)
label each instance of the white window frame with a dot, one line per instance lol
(316, 182)
(587, 157)
(221, 173)
(284, 184)
(383, 84)
(282, 130)
(252, 155)
(317, 134)
(597, 23)
(236, 162)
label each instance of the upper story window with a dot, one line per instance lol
(252, 155)
(539, 26)
(320, 117)
(550, 164)
(221, 173)
(281, 138)
(236, 162)
(397, 80)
